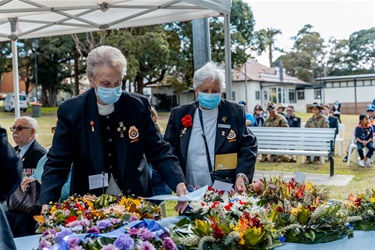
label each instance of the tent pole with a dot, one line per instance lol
(228, 62)
(13, 38)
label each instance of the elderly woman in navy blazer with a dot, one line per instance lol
(210, 136)
(106, 133)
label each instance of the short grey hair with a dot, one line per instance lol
(210, 71)
(31, 122)
(105, 56)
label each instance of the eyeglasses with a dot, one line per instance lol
(19, 128)
(53, 130)
(257, 109)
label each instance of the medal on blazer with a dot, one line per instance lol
(224, 119)
(92, 126)
(231, 136)
(121, 129)
(133, 134)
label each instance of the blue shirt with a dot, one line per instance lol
(250, 117)
(25, 148)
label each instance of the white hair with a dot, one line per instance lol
(210, 71)
(105, 56)
(31, 122)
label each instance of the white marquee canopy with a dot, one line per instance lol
(21, 19)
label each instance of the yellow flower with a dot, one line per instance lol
(372, 200)
(53, 209)
(310, 186)
(294, 211)
(253, 236)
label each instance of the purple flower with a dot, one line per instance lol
(124, 242)
(49, 231)
(145, 234)
(133, 218)
(133, 231)
(109, 247)
(61, 235)
(168, 244)
(73, 242)
(115, 221)
(44, 244)
(145, 245)
(103, 224)
(93, 230)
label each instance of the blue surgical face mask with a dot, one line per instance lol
(109, 95)
(209, 101)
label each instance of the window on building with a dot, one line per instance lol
(257, 95)
(292, 95)
(233, 95)
(301, 94)
(317, 93)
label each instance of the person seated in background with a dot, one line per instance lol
(337, 110)
(10, 179)
(293, 120)
(371, 114)
(250, 121)
(332, 120)
(364, 137)
(274, 120)
(210, 137)
(24, 132)
(316, 121)
(281, 109)
(259, 116)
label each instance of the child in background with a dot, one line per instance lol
(364, 136)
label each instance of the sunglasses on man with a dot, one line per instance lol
(19, 128)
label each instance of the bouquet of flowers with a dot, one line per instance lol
(145, 234)
(247, 232)
(277, 189)
(104, 213)
(361, 209)
(311, 223)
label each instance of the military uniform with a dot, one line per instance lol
(319, 122)
(276, 121)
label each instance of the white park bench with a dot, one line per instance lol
(296, 141)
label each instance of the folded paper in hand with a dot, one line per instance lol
(193, 196)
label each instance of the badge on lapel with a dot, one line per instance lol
(133, 134)
(231, 136)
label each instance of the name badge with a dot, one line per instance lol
(98, 181)
(223, 126)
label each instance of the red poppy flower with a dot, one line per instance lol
(71, 219)
(187, 121)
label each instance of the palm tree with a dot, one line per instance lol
(267, 40)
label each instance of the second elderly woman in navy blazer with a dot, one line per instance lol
(228, 150)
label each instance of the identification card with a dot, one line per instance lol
(225, 161)
(98, 181)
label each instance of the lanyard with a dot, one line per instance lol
(205, 144)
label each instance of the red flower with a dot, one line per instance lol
(71, 219)
(187, 121)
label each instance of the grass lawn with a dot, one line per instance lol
(364, 177)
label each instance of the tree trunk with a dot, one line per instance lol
(270, 54)
(76, 72)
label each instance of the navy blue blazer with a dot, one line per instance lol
(10, 179)
(230, 113)
(78, 140)
(32, 156)
(333, 123)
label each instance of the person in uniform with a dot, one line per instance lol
(293, 120)
(10, 179)
(210, 136)
(106, 134)
(316, 121)
(274, 120)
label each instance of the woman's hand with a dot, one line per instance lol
(181, 191)
(240, 186)
(26, 183)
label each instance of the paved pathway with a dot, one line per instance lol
(318, 179)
